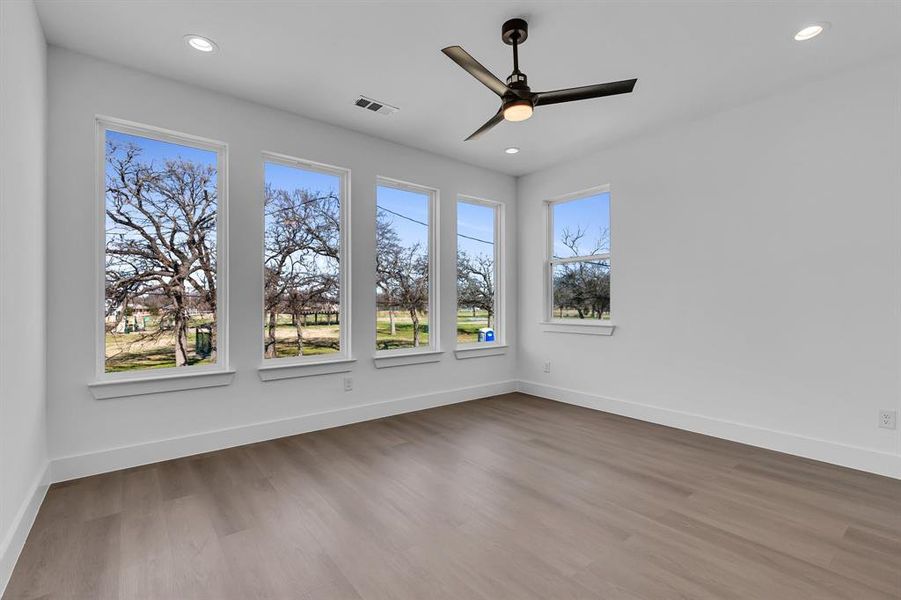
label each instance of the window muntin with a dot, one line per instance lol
(163, 198)
(478, 272)
(304, 261)
(579, 258)
(406, 297)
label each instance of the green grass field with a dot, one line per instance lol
(149, 349)
(320, 339)
(573, 314)
(136, 351)
(468, 325)
(403, 331)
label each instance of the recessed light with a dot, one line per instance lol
(512, 150)
(198, 42)
(811, 31)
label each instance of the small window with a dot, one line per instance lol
(579, 258)
(163, 256)
(305, 303)
(478, 272)
(405, 267)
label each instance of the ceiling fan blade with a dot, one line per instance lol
(491, 123)
(585, 92)
(476, 69)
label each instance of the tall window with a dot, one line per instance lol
(478, 271)
(163, 198)
(405, 266)
(579, 261)
(304, 290)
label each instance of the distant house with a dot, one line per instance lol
(135, 320)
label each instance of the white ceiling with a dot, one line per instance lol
(314, 58)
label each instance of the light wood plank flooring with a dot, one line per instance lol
(507, 497)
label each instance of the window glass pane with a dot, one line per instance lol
(302, 262)
(160, 254)
(402, 268)
(476, 276)
(582, 227)
(582, 290)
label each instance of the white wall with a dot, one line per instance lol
(756, 288)
(23, 109)
(89, 435)
(756, 285)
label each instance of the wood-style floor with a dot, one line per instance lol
(507, 497)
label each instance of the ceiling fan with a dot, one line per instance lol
(517, 100)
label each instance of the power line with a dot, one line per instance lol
(402, 216)
(331, 196)
(469, 237)
(475, 239)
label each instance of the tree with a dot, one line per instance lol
(160, 235)
(402, 274)
(411, 284)
(475, 282)
(583, 286)
(302, 255)
(387, 247)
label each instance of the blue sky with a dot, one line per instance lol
(159, 152)
(475, 221)
(591, 213)
(292, 178)
(414, 206)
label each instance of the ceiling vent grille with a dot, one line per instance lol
(375, 106)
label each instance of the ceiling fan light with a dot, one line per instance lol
(518, 111)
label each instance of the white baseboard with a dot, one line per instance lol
(82, 465)
(14, 539)
(71, 467)
(854, 457)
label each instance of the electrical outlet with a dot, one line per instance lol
(348, 384)
(888, 419)
(547, 367)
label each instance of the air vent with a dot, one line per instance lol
(375, 106)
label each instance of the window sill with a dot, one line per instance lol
(403, 358)
(305, 369)
(578, 328)
(478, 350)
(161, 384)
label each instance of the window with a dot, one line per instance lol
(579, 258)
(163, 197)
(478, 271)
(406, 238)
(305, 300)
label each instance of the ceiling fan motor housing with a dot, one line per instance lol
(518, 81)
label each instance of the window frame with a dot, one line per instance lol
(500, 337)
(434, 345)
(344, 312)
(104, 381)
(571, 325)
